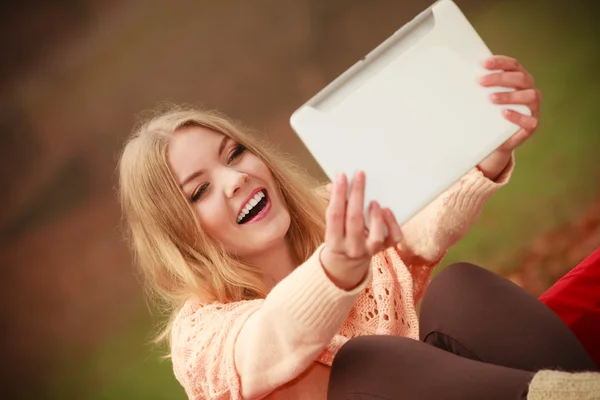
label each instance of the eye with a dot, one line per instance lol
(199, 192)
(238, 150)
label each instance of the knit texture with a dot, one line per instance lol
(248, 349)
(557, 385)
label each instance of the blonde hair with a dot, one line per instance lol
(176, 258)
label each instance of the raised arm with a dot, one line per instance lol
(430, 233)
(248, 349)
(285, 336)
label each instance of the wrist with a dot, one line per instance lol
(345, 277)
(494, 164)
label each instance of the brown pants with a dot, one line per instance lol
(482, 337)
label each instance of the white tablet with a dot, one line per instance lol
(411, 113)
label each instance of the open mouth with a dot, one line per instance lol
(255, 208)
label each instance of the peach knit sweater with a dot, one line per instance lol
(281, 347)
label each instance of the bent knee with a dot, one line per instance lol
(459, 275)
(460, 270)
(453, 287)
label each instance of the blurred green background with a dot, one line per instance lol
(77, 73)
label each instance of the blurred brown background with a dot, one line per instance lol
(75, 75)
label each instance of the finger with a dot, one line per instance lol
(528, 97)
(336, 212)
(529, 123)
(355, 221)
(395, 235)
(503, 62)
(377, 230)
(516, 80)
(522, 135)
(516, 140)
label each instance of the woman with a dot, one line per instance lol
(265, 280)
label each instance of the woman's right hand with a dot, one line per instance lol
(348, 247)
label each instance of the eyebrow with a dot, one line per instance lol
(196, 174)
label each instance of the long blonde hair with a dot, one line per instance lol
(176, 258)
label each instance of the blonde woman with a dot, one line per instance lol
(266, 277)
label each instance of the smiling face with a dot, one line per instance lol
(232, 192)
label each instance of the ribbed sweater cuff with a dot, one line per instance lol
(313, 299)
(477, 189)
(557, 385)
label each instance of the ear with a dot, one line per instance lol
(324, 191)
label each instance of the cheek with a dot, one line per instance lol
(255, 167)
(213, 219)
(265, 174)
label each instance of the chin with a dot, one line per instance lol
(268, 236)
(275, 232)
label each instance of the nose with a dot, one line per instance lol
(236, 181)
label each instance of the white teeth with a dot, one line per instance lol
(251, 203)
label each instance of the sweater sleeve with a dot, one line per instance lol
(245, 350)
(429, 234)
(441, 224)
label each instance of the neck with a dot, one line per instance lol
(276, 263)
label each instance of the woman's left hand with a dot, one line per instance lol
(512, 76)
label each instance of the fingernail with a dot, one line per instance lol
(494, 97)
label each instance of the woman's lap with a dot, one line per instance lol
(389, 367)
(484, 337)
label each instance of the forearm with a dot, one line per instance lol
(429, 234)
(297, 321)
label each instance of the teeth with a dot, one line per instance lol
(251, 203)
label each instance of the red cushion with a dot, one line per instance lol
(576, 300)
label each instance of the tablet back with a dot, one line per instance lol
(410, 114)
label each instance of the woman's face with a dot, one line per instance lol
(232, 191)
